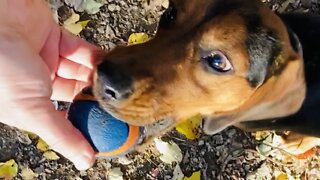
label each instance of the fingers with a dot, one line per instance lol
(66, 89)
(78, 50)
(50, 50)
(71, 70)
(57, 131)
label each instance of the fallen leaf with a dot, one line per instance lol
(28, 174)
(276, 140)
(72, 19)
(263, 172)
(50, 155)
(71, 25)
(138, 38)
(83, 23)
(307, 154)
(194, 176)
(261, 135)
(268, 143)
(8, 170)
(177, 173)
(42, 146)
(191, 127)
(115, 174)
(282, 176)
(74, 28)
(31, 135)
(170, 152)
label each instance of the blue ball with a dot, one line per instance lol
(104, 132)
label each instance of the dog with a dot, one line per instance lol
(234, 62)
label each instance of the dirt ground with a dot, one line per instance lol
(231, 154)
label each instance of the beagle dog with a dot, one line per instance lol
(234, 62)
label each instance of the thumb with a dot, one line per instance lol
(58, 132)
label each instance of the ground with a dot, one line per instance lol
(231, 154)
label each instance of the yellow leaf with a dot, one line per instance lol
(138, 38)
(282, 176)
(191, 127)
(72, 19)
(31, 135)
(71, 25)
(74, 28)
(260, 135)
(8, 170)
(28, 174)
(194, 176)
(50, 155)
(83, 23)
(42, 146)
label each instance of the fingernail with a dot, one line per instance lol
(83, 162)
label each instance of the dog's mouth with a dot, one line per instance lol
(157, 126)
(152, 130)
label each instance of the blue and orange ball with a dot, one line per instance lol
(109, 136)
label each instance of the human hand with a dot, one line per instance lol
(39, 61)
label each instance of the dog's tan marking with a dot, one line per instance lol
(171, 82)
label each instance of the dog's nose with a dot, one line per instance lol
(115, 84)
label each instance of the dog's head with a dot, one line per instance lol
(230, 60)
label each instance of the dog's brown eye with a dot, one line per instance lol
(218, 62)
(168, 16)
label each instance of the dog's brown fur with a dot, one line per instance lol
(171, 82)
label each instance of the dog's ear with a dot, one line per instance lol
(213, 125)
(263, 49)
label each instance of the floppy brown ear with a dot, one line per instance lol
(213, 125)
(263, 49)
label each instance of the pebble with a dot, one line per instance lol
(112, 7)
(39, 169)
(306, 3)
(201, 142)
(218, 139)
(83, 173)
(231, 133)
(124, 160)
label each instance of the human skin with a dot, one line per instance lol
(40, 61)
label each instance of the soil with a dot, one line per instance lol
(230, 154)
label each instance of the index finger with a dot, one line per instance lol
(78, 50)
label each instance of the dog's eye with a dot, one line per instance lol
(217, 61)
(168, 16)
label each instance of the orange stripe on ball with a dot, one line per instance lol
(133, 137)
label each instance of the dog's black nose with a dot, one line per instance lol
(115, 84)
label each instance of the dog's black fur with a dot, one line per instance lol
(307, 119)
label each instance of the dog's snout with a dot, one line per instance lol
(114, 82)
